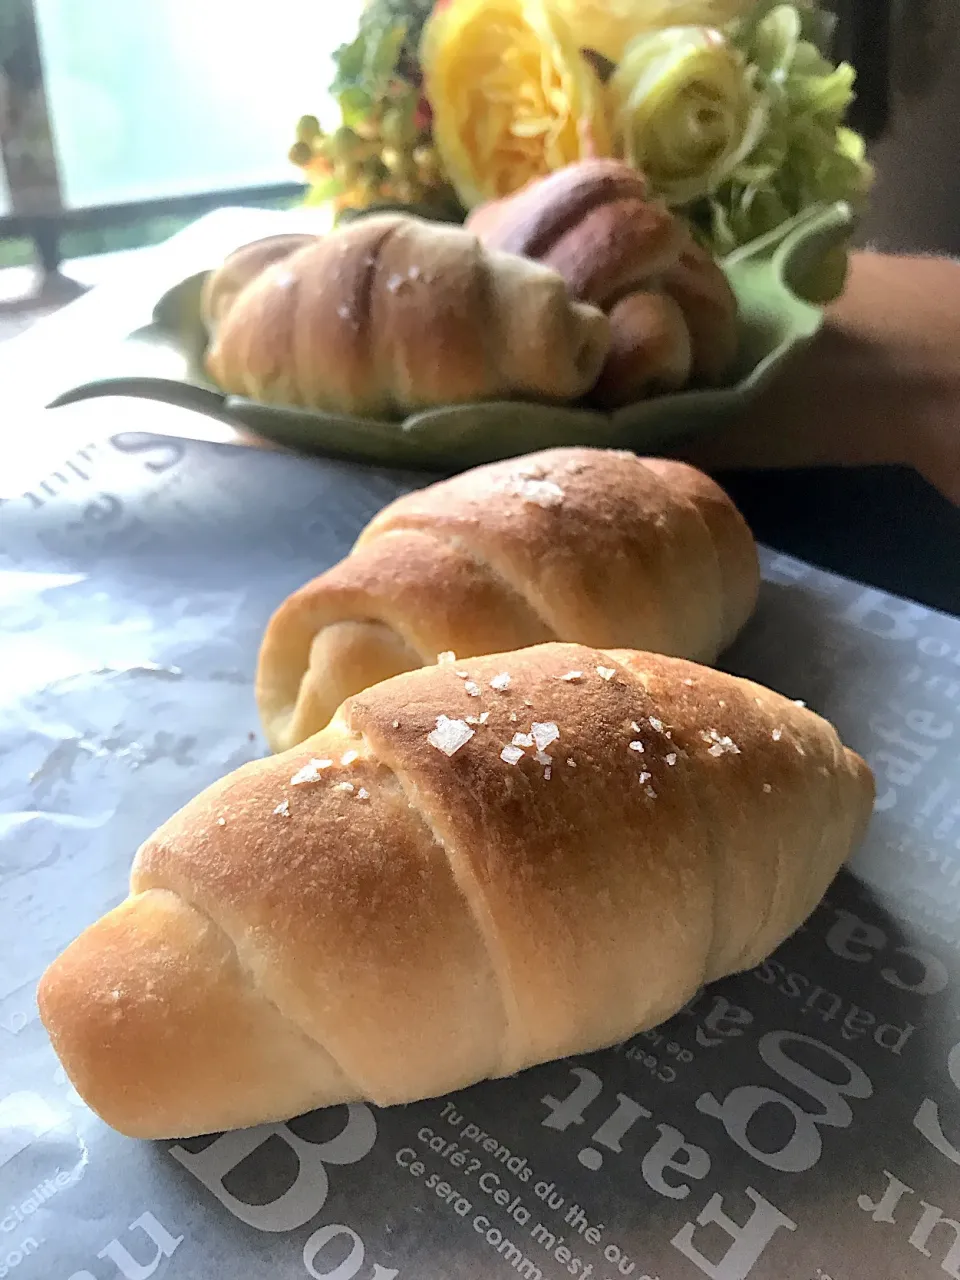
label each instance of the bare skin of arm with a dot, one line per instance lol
(881, 384)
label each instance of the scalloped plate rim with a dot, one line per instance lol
(420, 436)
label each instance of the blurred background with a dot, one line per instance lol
(121, 120)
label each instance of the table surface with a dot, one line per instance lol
(882, 526)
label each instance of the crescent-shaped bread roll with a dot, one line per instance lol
(589, 545)
(393, 314)
(673, 312)
(444, 887)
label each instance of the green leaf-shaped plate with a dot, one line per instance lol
(164, 361)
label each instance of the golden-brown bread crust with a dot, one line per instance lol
(237, 270)
(588, 545)
(596, 223)
(699, 287)
(650, 350)
(394, 314)
(410, 921)
(530, 220)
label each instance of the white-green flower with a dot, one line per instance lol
(688, 110)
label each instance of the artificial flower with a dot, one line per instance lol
(608, 26)
(511, 94)
(806, 155)
(688, 111)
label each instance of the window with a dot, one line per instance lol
(178, 97)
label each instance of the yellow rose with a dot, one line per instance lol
(687, 110)
(512, 98)
(609, 25)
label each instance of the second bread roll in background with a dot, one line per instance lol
(585, 545)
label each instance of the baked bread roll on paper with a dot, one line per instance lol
(588, 545)
(673, 314)
(471, 870)
(393, 314)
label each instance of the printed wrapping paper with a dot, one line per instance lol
(800, 1121)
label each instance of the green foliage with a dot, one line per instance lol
(805, 155)
(384, 52)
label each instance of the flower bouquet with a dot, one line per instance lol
(732, 109)
(658, 197)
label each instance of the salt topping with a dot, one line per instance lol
(310, 772)
(484, 717)
(344, 312)
(511, 754)
(221, 822)
(777, 735)
(547, 774)
(450, 735)
(720, 744)
(634, 726)
(396, 724)
(348, 757)
(645, 777)
(655, 723)
(542, 493)
(651, 793)
(544, 733)
(345, 786)
(606, 673)
(363, 793)
(541, 757)
(671, 758)
(283, 809)
(688, 681)
(799, 702)
(446, 657)
(571, 762)
(637, 746)
(472, 688)
(462, 674)
(513, 715)
(501, 681)
(396, 282)
(572, 675)
(767, 788)
(523, 739)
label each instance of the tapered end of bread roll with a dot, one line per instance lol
(163, 1032)
(305, 673)
(222, 286)
(650, 351)
(586, 545)
(733, 544)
